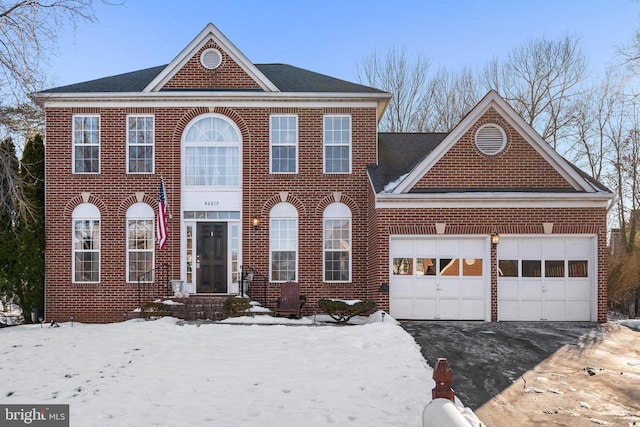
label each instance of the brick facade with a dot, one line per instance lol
(464, 166)
(310, 190)
(113, 191)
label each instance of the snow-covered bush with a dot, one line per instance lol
(235, 306)
(341, 311)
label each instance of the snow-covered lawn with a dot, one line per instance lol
(164, 373)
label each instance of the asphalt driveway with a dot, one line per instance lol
(541, 373)
(487, 357)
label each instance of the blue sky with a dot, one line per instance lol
(332, 36)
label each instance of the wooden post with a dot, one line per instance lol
(443, 376)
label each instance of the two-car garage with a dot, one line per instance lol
(539, 278)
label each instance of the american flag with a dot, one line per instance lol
(161, 226)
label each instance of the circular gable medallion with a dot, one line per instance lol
(210, 59)
(491, 139)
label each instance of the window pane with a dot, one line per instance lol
(283, 265)
(140, 244)
(212, 129)
(336, 266)
(283, 159)
(337, 234)
(140, 159)
(531, 268)
(449, 267)
(212, 166)
(508, 268)
(578, 269)
(86, 138)
(337, 242)
(337, 144)
(403, 266)
(140, 142)
(86, 266)
(86, 247)
(472, 267)
(283, 241)
(425, 266)
(337, 159)
(86, 159)
(141, 234)
(284, 140)
(139, 264)
(553, 268)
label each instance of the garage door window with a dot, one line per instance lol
(403, 266)
(449, 267)
(554, 268)
(508, 268)
(578, 268)
(425, 266)
(472, 267)
(531, 268)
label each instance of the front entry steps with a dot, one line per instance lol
(198, 307)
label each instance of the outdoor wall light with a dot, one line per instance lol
(255, 223)
(495, 239)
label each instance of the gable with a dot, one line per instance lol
(517, 167)
(232, 70)
(229, 75)
(527, 164)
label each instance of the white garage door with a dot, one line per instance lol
(438, 278)
(546, 278)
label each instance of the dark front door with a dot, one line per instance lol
(211, 257)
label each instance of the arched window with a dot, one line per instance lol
(86, 243)
(283, 243)
(140, 242)
(212, 152)
(337, 243)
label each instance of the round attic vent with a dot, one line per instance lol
(491, 139)
(210, 59)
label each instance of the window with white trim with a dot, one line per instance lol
(283, 243)
(86, 144)
(212, 153)
(140, 140)
(140, 242)
(284, 143)
(337, 144)
(86, 244)
(337, 243)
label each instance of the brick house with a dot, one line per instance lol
(282, 169)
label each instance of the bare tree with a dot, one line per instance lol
(449, 97)
(404, 78)
(597, 117)
(630, 53)
(28, 31)
(539, 79)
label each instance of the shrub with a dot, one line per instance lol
(235, 306)
(342, 311)
(153, 310)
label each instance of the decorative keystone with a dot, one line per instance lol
(443, 376)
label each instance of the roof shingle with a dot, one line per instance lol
(286, 77)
